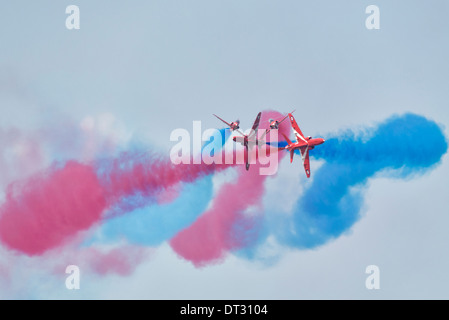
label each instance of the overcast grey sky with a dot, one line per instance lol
(159, 65)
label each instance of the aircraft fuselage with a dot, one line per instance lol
(311, 142)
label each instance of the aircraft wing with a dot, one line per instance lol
(307, 164)
(264, 134)
(304, 150)
(282, 120)
(256, 122)
(241, 133)
(305, 159)
(255, 127)
(298, 133)
(228, 124)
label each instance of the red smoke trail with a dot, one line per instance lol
(125, 176)
(211, 235)
(151, 178)
(48, 210)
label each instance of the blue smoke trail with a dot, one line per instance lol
(407, 144)
(399, 147)
(154, 224)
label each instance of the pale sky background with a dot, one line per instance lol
(159, 65)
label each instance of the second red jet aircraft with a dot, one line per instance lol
(304, 144)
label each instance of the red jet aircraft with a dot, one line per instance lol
(304, 144)
(274, 125)
(247, 140)
(235, 125)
